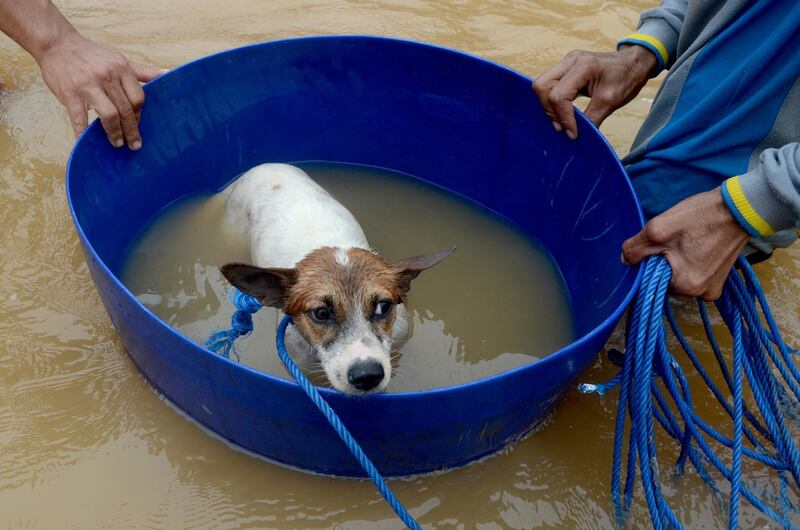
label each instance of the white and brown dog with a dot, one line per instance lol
(313, 262)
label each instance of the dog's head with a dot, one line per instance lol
(343, 303)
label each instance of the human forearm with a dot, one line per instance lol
(81, 73)
(658, 31)
(700, 238)
(610, 79)
(36, 25)
(766, 199)
(703, 235)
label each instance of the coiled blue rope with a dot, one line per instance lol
(653, 385)
(223, 342)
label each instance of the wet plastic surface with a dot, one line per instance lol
(452, 119)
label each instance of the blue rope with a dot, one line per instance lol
(222, 342)
(759, 358)
(340, 429)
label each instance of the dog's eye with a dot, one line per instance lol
(321, 315)
(382, 309)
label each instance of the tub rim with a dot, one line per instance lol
(328, 393)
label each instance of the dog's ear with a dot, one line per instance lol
(409, 268)
(270, 286)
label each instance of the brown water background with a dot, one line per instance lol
(86, 443)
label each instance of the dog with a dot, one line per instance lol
(312, 260)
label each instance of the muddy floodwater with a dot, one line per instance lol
(86, 443)
(479, 313)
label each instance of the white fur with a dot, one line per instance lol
(285, 215)
(341, 257)
(357, 343)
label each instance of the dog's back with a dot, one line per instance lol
(285, 215)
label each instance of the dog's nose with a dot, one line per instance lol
(365, 375)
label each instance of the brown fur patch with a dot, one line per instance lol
(347, 290)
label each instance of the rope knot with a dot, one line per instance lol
(243, 302)
(223, 342)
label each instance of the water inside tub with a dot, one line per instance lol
(497, 303)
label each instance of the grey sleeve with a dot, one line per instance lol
(659, 28)
(766, 199)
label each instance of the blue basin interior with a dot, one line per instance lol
(450, 118)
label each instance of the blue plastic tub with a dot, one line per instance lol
(450, 118)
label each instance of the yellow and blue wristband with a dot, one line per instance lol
(747, 216)
(652, 44)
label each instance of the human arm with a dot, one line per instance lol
(81, 73)
(611, 79)
(766, 199)
(703, 235)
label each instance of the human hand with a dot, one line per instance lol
(700, 239)
(610, 79)
(84, 75)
